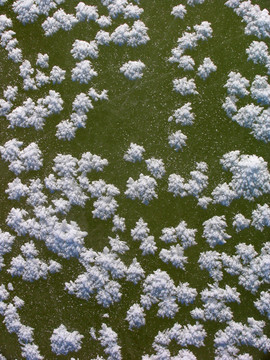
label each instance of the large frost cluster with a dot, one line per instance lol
(83, 49)
(29, 266)
(181, 232)
(194, 186)
(82, 104)
(250, 178)
(236, 334)
(251, 116)
(8, 40)
(83, 72)
(206, 68)
(33, 113)
(183, 335)
(131, 36)
(103, 269)
(214, 301)
(251, 268)
(258, 53)
(141, 233)
(59, 20)
(185, 86)
(26, 159)
(189, 41)
(69, 185)
(109, 341)
(12, 321)
(134, 153)
(257, 20)
(159, 288)
(6, 242)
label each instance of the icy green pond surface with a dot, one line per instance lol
(136, 111)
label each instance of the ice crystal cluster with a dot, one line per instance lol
(119, 227)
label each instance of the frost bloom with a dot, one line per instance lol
(206, 68)
(183, 115)
(250, 178)
(134, 153)
(179, 11)
(237, 84)
(83, 72)
(214, 231)
(177, 140)
(156, 167)
(135, 316)
(63, 341)
(185, 86)
(143, 189)
(133, 69)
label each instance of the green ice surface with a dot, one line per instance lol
(137, 111)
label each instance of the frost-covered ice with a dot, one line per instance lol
(64, 341)
(133, 69)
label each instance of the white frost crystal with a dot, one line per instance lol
(177, 140)
(63, 341)
(250, 178)
(83, 72)
(237, 84)
(214, 231)
(206, 68)
(185, 86)
(135, 316)
(183, 115)
(143, 189)
(133, 69)
(156, 167)
(134, 153)
(179, 11)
